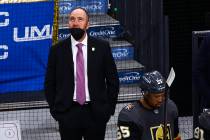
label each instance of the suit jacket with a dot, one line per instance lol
(103, 82)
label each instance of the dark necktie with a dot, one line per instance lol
(80, 75)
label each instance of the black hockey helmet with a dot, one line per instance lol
(152, 82)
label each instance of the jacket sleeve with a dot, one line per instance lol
(50, 84)
(112, 80)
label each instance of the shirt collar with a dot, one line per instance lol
(74, 42)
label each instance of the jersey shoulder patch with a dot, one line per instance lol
(129, 106)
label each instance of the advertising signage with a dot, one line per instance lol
(25, 39)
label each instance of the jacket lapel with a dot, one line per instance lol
(91, 50)
(68, 56)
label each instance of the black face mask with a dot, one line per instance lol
(77, 33)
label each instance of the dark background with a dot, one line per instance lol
(162, 33)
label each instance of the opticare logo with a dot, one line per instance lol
(105, 31)
(23, 34)
(120, 53)
(130, 77)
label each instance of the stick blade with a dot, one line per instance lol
(171, 77)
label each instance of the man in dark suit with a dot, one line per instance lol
(81, 84)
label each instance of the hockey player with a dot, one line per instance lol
(144, 119)
(202, 131)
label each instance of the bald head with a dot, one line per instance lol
(78, 18)
(81, 11)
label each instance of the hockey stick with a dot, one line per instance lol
(169, 81)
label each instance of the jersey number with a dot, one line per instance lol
(123, 132)
(199, 133)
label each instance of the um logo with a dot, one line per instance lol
(33, 33)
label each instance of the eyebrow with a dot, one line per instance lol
(72, 17)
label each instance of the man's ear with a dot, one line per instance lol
(146, 95)
(88, 24)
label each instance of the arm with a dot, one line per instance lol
(178, 138)
(176, 130)
(49, 85)
(128, 131)
(174, 115)
(112, 80)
